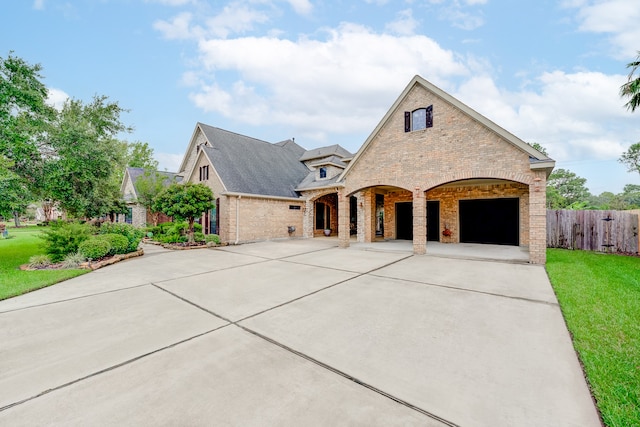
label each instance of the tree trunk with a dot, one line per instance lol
(156, 217)
(190, 238)
(16, 219)
(47, 209)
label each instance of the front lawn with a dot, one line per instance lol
(16, 251)
(600, 299)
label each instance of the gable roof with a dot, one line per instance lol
(322, 152)
(537, 159)
(251, 166)
(135, 173)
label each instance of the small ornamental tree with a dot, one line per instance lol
(184, 202)
(148, 186)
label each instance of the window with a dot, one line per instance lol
(294, 207)
(421, 118)
(323, 173)
(204, 173)
(128, 218)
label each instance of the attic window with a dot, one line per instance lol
(421, 118)
(323, 173)
(204, 173)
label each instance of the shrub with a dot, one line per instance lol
(39, 261)
(198, 237)
(119, 243)
(212, 238)
(63, 238)
(73, 260)
(133, 234)
(95, 248)
(171, 238)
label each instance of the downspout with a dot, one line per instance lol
(238, 219)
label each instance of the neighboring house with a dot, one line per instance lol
(432, 170)
(138, 214)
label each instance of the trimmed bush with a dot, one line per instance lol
(63, 238)
(198, 237)
(119, 243)
(212, 238)
(95, 248)
(133, 234)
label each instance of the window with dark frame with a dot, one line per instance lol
(421, 118)
(204, 173)
(323, 172)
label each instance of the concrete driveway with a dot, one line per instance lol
(292, 333)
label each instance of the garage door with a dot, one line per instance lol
(493, 221)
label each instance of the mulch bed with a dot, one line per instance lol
(93, 265)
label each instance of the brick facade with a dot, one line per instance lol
(458, 158)
(463, 156)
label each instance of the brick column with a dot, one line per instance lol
(361, 217)
(343, 219)
(538, 220)
(419, 222)
(369, 207)
(307, 221)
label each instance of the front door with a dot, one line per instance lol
(404, 221)
(433, 220)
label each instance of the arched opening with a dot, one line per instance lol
(479, 210)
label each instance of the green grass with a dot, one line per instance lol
(16, 251)
(600, 299)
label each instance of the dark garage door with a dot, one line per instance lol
(494, 221)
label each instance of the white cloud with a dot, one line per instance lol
(404, 24)
(463, 14)
(235, 19)
(232, 19)
(574, 115)
(169, 161)
(179, 27)
(38, 4)
(302, 7)
(618, 18)
(171, 2)
(316, 87)
(56, 98)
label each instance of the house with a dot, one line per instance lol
(433, 169)
(138, 214)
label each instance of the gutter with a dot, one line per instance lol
(238, 219)
(262, 196)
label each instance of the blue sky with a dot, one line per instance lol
(326, 71)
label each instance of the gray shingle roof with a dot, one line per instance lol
(332, 150)
(249, 165)
(335, 160)
(310, 182)
(135, 173)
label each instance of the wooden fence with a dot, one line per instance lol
(603, 231)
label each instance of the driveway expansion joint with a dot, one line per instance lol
(110, 368)
(348, 377)
(456, 288)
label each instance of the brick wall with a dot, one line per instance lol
(216, 186)
(456, 148)
(263, 219)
